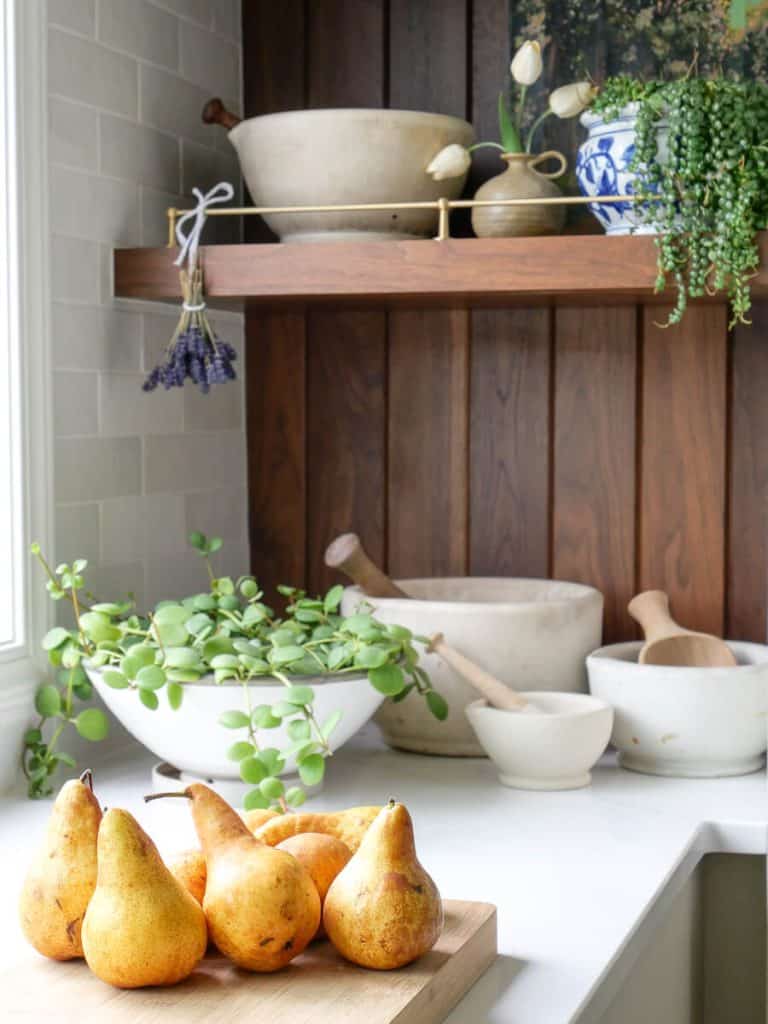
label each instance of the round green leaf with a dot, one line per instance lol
(263, 718)
(271, 787)
(137, 658)
(115, 679)
(330, 723)
(172, 634)
(149, 699)
(437, 705)
(240, 750)
(196, 540)
(295, 796)
(151, 677)
(233, 720)
(285, 655)
(299, 729)
(181, 657)
(98, 627)
(281, 709)
(47, 701)
(312, 769)
(55, 638)
(198, 624)
(171, 615)
(299, 695)
(249, 588)
(175, 693)
(255, 801)
(272, 760)
(225, 661)
(371, 657)
(399, 632)
(32, 737)
(252, 770)
(183, 675)
(92, 724)
(333, 598)
(388, 679)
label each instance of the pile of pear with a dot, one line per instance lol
(261, 887)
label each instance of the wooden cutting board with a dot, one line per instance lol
(316, 988)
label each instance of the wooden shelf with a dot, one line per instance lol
(509, 270)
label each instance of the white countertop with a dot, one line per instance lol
(580, 878)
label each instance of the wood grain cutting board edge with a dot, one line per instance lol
(318, 987)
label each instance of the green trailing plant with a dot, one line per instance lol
(229, 633)
(705, 189)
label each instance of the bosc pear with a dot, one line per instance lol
(142, 927)
(61, 880)
(261, 904)
(383, 910)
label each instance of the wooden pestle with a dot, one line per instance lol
(214, 112)
(667, 643)
(348, 555)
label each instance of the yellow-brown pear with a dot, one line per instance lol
(142, 927)
(261, 904)
(349, 826)
(62, 877)
(383, 910)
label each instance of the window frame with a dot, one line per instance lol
(25, 323)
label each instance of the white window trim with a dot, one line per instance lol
(25, 118)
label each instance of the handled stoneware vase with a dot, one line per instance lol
(521, 180)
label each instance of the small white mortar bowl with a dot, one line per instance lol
(688, 722)
(552, 746)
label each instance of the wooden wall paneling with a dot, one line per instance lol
(346, 435)
(490, 57)
(594, 455)
(747, 553)
(428, 443)
(345, 53)
(682, 512)
(428, 55)
(510, 442)
(275, 383)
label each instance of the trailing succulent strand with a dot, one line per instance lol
(701, 154)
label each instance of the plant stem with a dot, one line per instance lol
(161, 796)
(539, 120)
(520, 106)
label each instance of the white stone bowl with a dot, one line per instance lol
(327, 157)
(191, 738)
(689, 722)
(551, 746)
(531, 634)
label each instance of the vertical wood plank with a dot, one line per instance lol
(594, 455)
(491, 54)
(682, 513)
(345, 53)
(747, 582)
(428, 440)
(273, 56)
(346, 427)
(428, 56)
(509, 442)
(275, 369)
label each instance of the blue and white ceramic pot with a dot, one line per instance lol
(602, 169)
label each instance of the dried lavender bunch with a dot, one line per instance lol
(194, 351)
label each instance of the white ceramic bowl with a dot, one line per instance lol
(191, 738)
(551, 748)
(691, 722)
(531, 634)
(328, 157)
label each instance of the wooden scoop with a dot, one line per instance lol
(214, 112)
(667, 643)
(348, 555)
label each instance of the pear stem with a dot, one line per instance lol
(161, 796)
(87, 777)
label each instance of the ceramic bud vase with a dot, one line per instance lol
(521, 180)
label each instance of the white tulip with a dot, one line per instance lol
(570, 100)
(450, 162)
(526, 66)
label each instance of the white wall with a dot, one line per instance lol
(127, 80)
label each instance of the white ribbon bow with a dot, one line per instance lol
(189, 243)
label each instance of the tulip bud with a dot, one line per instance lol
(526, 66)
(450, 162)
(570, 100)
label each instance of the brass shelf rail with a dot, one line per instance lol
(442, 206)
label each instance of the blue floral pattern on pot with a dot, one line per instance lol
(603, 169)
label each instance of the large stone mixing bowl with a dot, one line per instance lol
(326, 157)
(531, 634)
